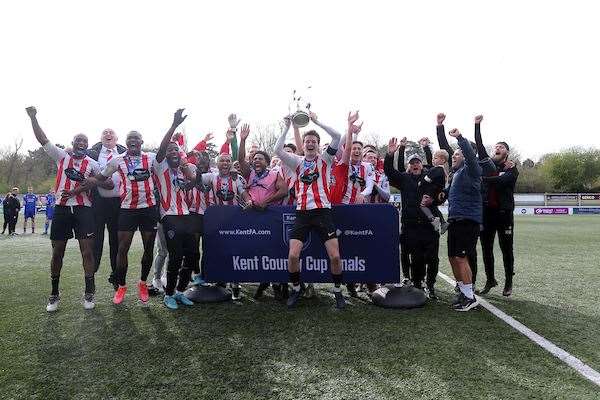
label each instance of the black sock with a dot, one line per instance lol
(55, 280)
(90, 286)
(294, 278)
(337, 280)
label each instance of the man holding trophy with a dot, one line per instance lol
(313, 209)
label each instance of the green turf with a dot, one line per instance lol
(259, 350)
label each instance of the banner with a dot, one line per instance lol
(586, 210)
(551, 211)
(252, 246)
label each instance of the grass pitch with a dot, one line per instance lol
(259, 350)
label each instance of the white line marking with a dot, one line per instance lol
(582, 368)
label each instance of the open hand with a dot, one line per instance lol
(245, 132)
(178, 118)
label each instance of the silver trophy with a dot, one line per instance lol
(301, 116)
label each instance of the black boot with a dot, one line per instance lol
(488, 286)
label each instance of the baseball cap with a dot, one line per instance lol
(413, 157)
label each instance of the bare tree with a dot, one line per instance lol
(265, 136)
(14, 158)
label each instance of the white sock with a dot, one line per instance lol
(296, 288)
(337, 289)
(466, 289)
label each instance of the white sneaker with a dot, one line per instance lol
(53, 302)
(88, 301)
(158, 284)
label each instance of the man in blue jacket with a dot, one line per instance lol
(465, 218)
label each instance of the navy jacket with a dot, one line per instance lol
(464, 198)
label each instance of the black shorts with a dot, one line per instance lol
(197, 222)
(177, 225)
(144, 219)
(72, 218)
(462, 237)
(319, 219)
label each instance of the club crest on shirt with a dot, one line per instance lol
(354, 178)
(74, 175)
(171, 234)
(309, 178)
(139, 174)
(225, 195)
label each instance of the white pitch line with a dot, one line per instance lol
(582, 368)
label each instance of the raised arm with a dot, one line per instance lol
(426, 146)
(441, 137)
(335, 135)
(291, 160)
(37, 129)
(470, 157)
(178, 118)
(401, 150)
(298, 140)
(395, 177)
(481, 151)
(244, 166)
(352, 129)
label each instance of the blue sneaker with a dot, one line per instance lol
(170, 302)
(197, 281)
(180, 298)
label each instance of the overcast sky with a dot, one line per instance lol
(532, 68)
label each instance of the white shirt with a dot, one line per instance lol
(104, 157)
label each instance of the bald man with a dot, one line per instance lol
(107, 202)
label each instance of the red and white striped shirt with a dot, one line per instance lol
(200, 198)
(360, 180)
(312, 183)
(290, 182)
(226, 190)
(169, 183)
(136, 186)
(71, 171)
(382, 183)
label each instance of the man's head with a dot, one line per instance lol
(224, 164)
(134, 143)
(15, 191)
(290, 148)
(80, 145)
(370, 156)
(260, 161)
(29, 189)
(415, 164)
(501, 151)
(440, 157)
(310, 141)
(172, 155)
(109, 138)
(356, 151)
(457, 159)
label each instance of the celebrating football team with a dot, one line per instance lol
(164, 194)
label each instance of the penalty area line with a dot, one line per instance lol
(582, 368)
